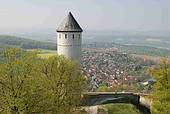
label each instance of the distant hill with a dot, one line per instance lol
(132, 49)
(159, 39)
(6, 41)
(145, 50)
(154, 41)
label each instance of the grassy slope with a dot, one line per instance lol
(121, 109)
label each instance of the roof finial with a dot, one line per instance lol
(70, 13)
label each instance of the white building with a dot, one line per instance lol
(69, 38)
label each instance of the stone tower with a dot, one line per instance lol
(69, 38)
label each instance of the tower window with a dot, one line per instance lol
(65, 36)
(73, 36)
(79, 36)
(59, 35)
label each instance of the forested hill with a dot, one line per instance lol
(7, 41)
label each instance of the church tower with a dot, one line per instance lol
(69, 38)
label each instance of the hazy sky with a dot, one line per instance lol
(91, 14)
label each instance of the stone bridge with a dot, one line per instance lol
(141, 101)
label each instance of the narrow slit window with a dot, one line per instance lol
(73, 36)
(59, 35)
(65, 36)
(79, 36)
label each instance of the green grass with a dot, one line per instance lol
(121, 109)
(45, 56)
(44, 53)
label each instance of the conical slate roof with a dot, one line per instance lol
(69, 25)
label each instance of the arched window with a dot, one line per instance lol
(65, 36)
(73, 36)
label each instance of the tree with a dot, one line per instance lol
(31, 85)
(161, 93)
(65, 82)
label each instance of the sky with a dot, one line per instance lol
(144, 15)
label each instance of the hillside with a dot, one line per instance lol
(145, 50)
(8, 41)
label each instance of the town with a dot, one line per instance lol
(111, 67)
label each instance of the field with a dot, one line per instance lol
(47, 53)
(44, 53)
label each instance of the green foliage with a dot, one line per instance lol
(31, 85)
(161, 94)
(65, 83)
(103, 88)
